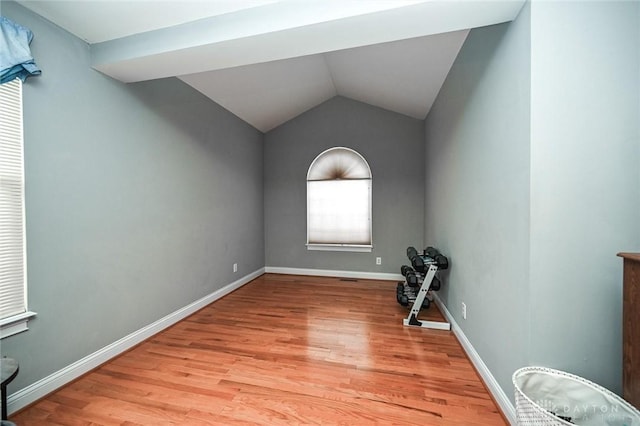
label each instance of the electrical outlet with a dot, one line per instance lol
(464, 310)
(378, 261)
(235, 267)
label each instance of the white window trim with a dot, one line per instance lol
(17, 323)
(341, 247)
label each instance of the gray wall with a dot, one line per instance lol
(393, 146)
(585, 181)
(533, 148)
(139, 198)
(477, 189)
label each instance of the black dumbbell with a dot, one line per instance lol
(435, 284)
(442, 261)
(411, 253)
(412, 279)
(404, 269)
(431, 252)
(418, 264)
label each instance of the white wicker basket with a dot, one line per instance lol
(547, 397)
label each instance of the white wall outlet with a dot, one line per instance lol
(235, 267)
(464, 310)
(378, 261)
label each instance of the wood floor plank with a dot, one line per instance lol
(283, 350)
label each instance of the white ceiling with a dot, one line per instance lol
(267, 61)
(402, 76)
(100, 20)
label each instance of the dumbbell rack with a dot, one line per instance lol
(412, 319)
(423, 270)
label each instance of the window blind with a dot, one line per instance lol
(339, 200)
(339, 212)
(12, 236)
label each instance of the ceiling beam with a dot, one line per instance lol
(286, 30)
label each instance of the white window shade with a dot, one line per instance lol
(339, 201)
(13, 300)
(339, 212)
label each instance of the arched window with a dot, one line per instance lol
(339, 201)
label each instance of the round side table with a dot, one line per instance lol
(8, 371)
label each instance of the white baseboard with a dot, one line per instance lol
(339, 274)
(45, 386)
(498, 394)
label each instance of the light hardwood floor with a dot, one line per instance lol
(283, 349)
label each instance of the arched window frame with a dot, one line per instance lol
(344, 242)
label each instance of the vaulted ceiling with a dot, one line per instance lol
(267, 61)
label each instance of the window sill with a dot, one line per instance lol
(15, 324)
(341, 247)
